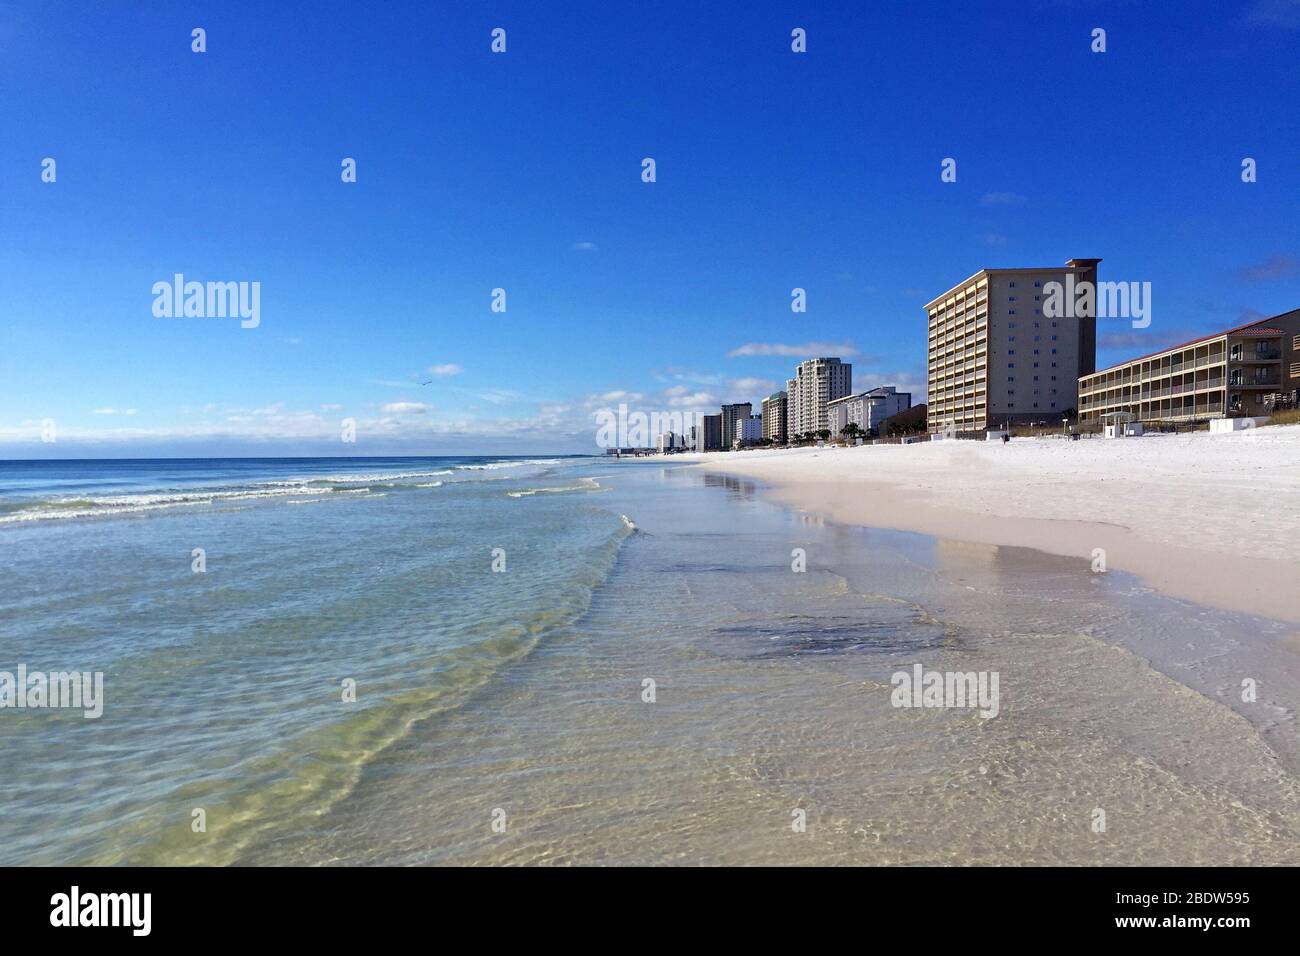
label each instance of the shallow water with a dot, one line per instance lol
(518, 697)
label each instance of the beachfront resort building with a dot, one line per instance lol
(1228, 374)
(732, 416)
(749, 431)
(774, 409)
(866, 409)
(712, 432)
(816, 383)
(995, 357)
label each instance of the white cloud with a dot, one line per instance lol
(1003, 199)
(805, 350)
(498, 396)
(762, 387)
(903, 381)
(585, 247)
(692, 400)
(399, 424)
(615, 396)
(451, 368)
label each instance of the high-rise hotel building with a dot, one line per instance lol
(774, 412)
(994, 357)
(732, 416)
(816, 382)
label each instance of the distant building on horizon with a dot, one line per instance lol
(1226, 374)
(816, 382)
(995, 357)
(866, 409)
(669, 442)
(774, 413)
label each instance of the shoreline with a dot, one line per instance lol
(1191, 520)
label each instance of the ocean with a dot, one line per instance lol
(576, 660)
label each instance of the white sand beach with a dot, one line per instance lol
(1211, 518)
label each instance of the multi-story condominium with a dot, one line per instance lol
(1227, 374)
(774, 410)
(712, 433)
(816, 382)
(866, 409)
(994, 356)
(749, 430)
(732, 416)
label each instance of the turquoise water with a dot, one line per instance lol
(518, 696)
(224, 688)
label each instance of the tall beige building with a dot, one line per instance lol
(816, 382)
(995, 357)
(774, 412)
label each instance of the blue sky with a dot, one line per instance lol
(522, 171)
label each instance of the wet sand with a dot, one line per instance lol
(1212, 519)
